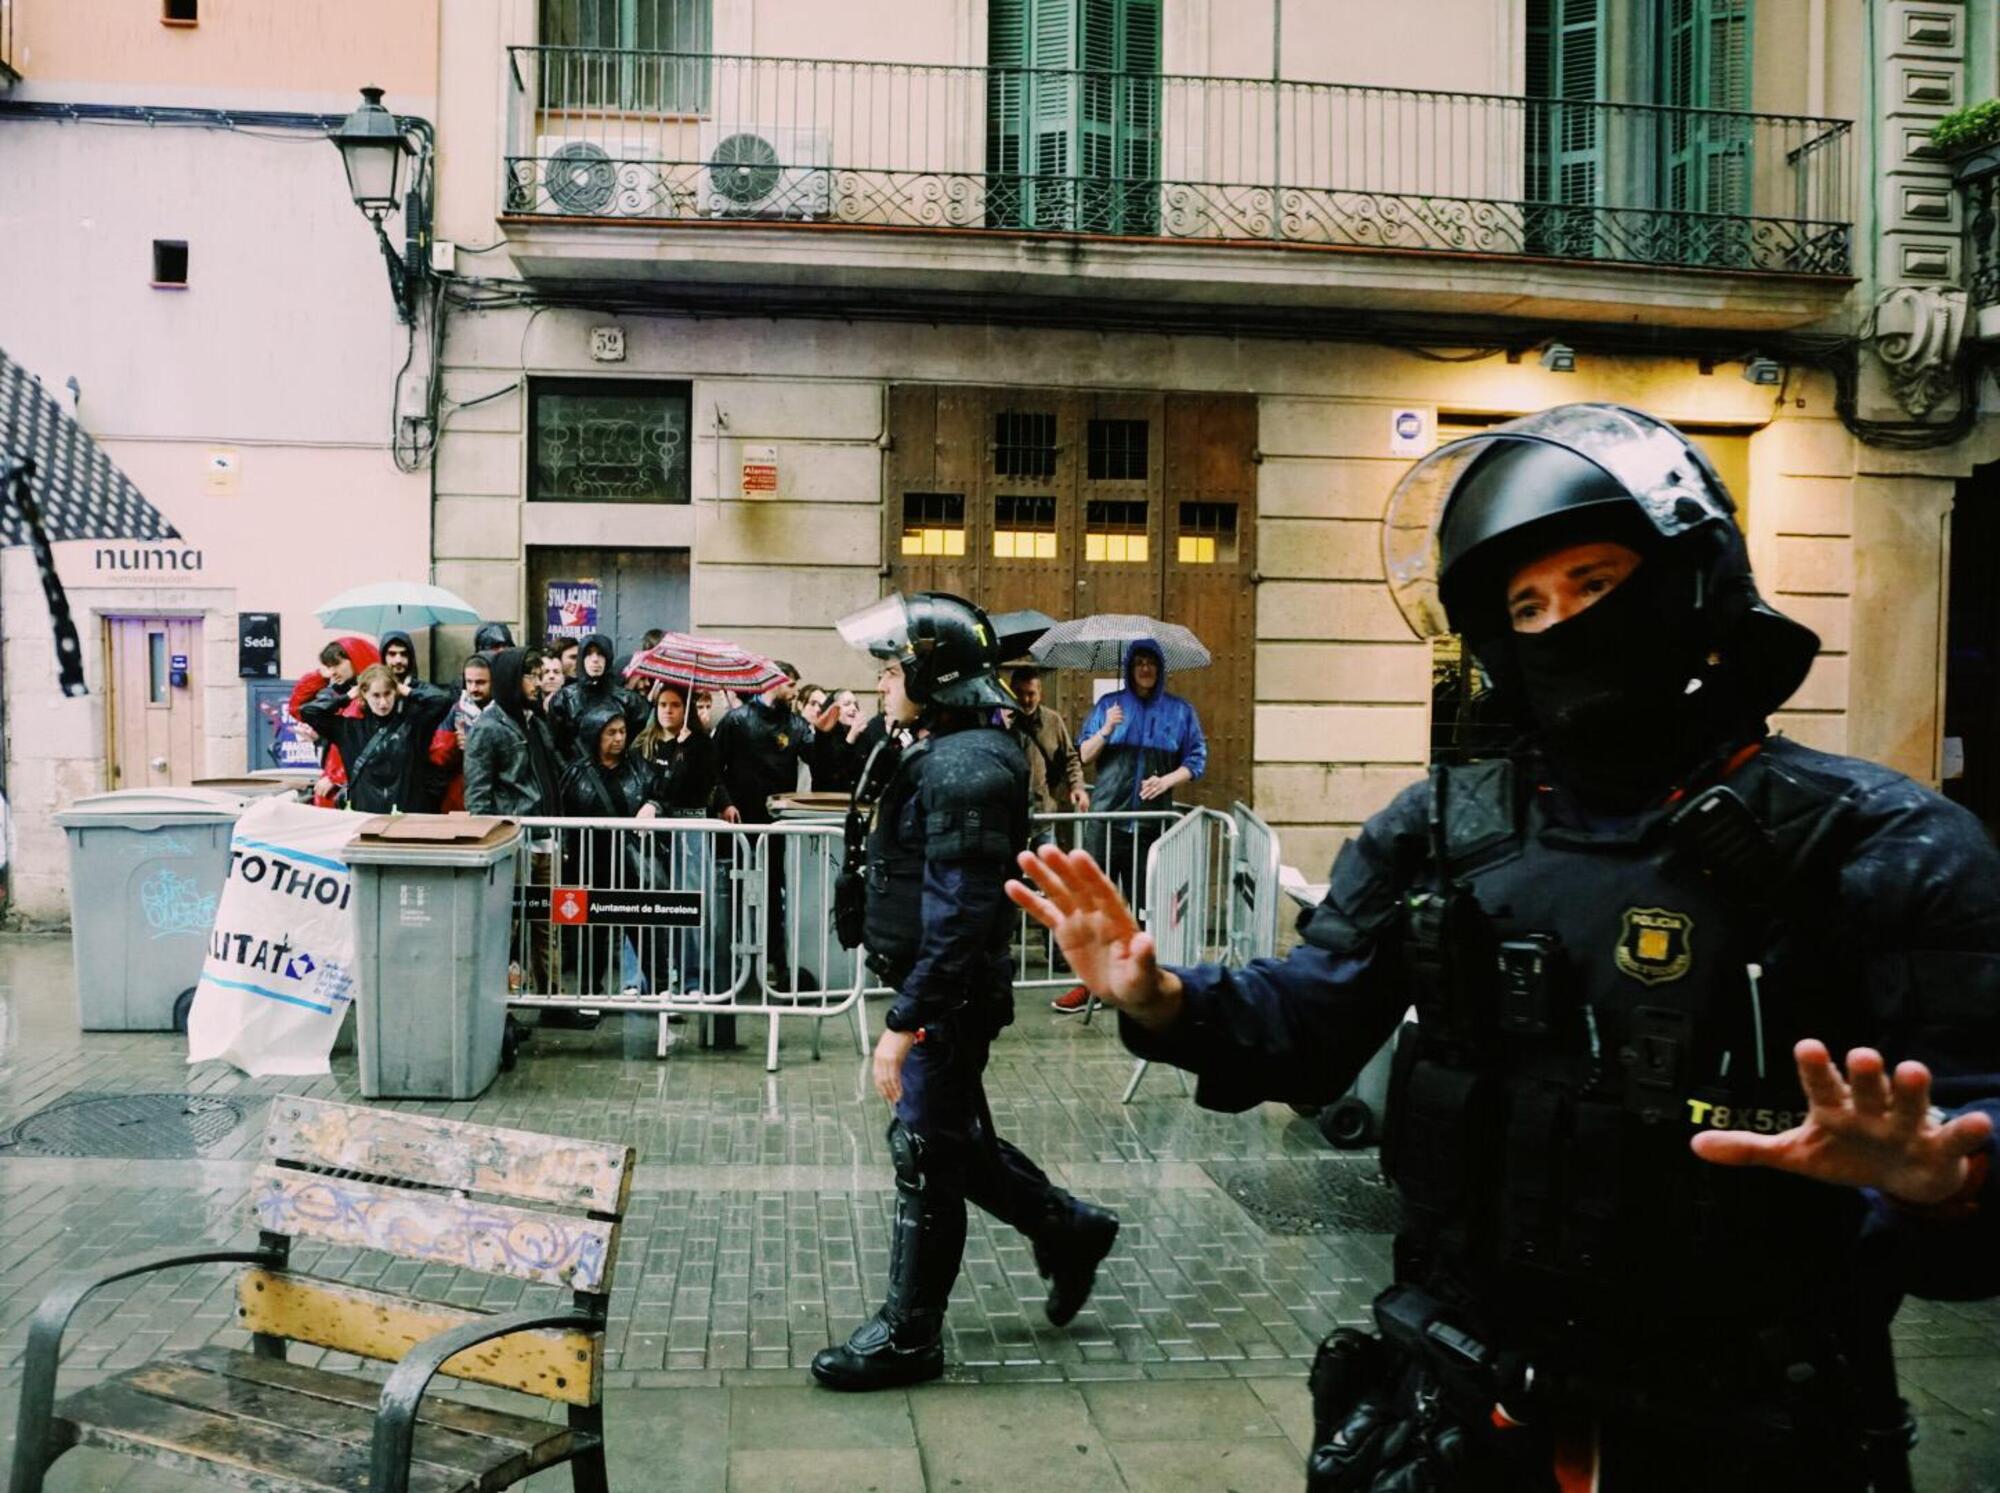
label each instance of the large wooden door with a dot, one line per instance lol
(1074, 502)
(153, 715)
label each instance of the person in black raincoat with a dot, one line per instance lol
(1653, 1231)
(511, 766)
(594, 681)
(608, 780)
(384, 735)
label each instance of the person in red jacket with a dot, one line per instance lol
(447, 752)
(339, 662)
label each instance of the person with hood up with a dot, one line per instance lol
(339, 662)
(492, 637)
(594, 681)
(510, 769)
(510, 759)
(383, 737)
(1144, 743)
(399, 656)
(607, 781)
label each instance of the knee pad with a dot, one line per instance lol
(925, 1168)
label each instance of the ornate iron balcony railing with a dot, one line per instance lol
(678, 137)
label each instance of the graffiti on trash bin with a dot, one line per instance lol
(174, 904)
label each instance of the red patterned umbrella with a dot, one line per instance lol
(704, 663)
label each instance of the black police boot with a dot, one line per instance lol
(1068, 1253)
(903, 1343)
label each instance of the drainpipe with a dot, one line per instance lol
(1277, 110)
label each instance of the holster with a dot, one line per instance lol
(850, 907)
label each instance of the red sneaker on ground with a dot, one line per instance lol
(1070, 1001)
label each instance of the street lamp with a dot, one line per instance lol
(373, 143)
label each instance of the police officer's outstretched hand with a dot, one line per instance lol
(1098, 934)
(1871, 1129)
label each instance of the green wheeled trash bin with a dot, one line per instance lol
(433, 909)
(146, 866)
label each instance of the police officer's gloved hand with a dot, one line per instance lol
(1348, 1460)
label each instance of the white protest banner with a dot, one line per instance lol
(280, 970)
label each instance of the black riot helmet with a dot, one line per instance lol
(1474, 510)
(950, 650)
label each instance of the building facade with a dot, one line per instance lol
(1143, 305)
(182, 266)
(749, 310)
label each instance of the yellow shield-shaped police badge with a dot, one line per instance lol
(1655, 945)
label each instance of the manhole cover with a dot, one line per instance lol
(150, 1127)
(1311, 1197)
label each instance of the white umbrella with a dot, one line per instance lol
(405, 605)
(1098, 643)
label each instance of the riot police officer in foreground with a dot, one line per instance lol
(1653, 1236)
(950, 814)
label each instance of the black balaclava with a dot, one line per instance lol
(1609, 688)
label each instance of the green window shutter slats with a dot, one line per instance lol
(1072, 134)
(1705, 61)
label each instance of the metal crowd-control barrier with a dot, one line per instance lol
(1211, 898)
(700, 917)
(676, 916)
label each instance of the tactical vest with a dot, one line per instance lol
(1588, 1002)
(966, 816)
(895, 874)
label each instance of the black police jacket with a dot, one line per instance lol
(1889, 935)
(758, 749)
(946, 830)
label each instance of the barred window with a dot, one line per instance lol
(1024, 528)
(934, 523)
(608, 441)
(1115, 533)
(1118, 450)
(1207, 533)
(614, 64)
(1024, 444)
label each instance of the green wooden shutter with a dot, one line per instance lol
(1138, 145)
(1052, 113)
(1564, 134)
(1006, 112)
(1705, 59)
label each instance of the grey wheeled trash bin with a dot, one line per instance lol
(433, 904)
(145, 868)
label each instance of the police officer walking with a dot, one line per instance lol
(950, 817)
(1653, 1235)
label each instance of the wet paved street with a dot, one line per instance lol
(758, 1231)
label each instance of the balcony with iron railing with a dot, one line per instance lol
(685, 139)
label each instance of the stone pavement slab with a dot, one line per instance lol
(759, 1230)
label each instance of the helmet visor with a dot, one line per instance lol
(1672, 483)
(882, 628)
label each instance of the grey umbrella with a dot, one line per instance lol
(56, 484)
(1098, 643)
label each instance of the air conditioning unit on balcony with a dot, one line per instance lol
(574, 176)
(765, 171)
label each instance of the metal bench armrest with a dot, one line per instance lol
(396, 1413)
(38, 1378)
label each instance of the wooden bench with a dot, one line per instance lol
(511, 1203)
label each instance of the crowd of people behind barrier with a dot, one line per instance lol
(553, 731)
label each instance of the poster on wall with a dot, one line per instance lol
(257, 645)
(288, 742)
(572, 608)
